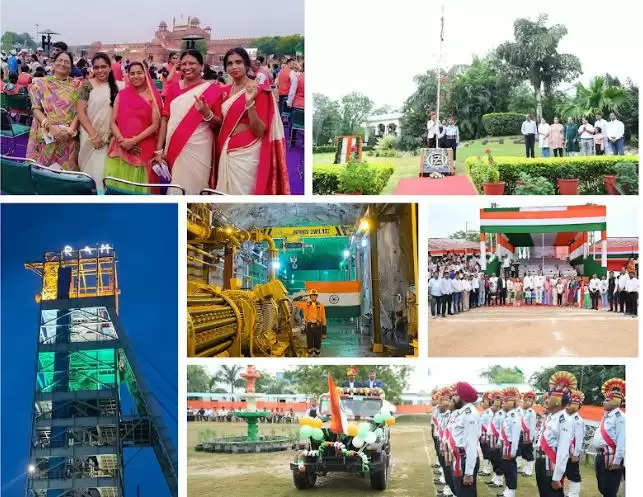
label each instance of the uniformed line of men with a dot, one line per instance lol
(492, 442)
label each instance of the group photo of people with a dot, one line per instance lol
(514, 441)
(457, 284)
(186, 114)
(525, 277)
(575, 137)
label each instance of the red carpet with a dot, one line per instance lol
(449, 185)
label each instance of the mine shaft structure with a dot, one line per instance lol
(227, 320)
(84, 357)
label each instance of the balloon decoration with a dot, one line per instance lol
(351, 430)
(306, 431)
(317, 434)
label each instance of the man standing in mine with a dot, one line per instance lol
(314, 316)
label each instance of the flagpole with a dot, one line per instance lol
(437, 110)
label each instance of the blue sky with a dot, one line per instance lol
(145, 239)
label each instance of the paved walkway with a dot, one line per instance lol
(534, 331)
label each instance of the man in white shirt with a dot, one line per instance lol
(615, 135)
(458, 289)
(539, 285)
(435, 284)
(446, 289)
(433, 133)
(466, 433)
(632, 288)
(529, 130)
(621, 287)
(586, 134)
(453, 136)
(594, 291)
(475, 289)
(528, 284)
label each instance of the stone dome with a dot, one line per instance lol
(194, 21)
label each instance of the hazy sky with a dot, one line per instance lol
(447, 218)
(81, 22)
(384, 44)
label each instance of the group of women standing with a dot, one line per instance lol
(566, 291)
(227, 137)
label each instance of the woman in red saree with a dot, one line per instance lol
(251, 152)
(173, 72)
(135, 123)
(190, 118)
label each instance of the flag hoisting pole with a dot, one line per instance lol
(437, 109)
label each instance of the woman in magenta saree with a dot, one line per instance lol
(251, 153)
(135, 123)
(190, 119)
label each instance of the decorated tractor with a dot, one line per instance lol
(351, 435)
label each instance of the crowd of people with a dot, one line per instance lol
(458, 284)
(573, 138)
(183, 123)
(514, 439)
(223, 415)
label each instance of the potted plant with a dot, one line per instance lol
(567, 181)
(609, 182)
(493, 185)
(538, 185)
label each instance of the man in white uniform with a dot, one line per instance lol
(556, 437)
(465, 433)
(510, 439)
(578, 429)
(609, 439)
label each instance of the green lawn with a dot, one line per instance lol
(408, 166)
(268, 474)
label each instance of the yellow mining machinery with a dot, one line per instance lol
(227, 321)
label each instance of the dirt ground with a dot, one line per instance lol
(268, 475)
(533, 332)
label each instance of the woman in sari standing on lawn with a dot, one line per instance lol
(250, 147)
(94, 107)
(135, 122)
(52, 139)
(190, 118)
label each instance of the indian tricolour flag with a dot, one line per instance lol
(341, 298)
(572, 218)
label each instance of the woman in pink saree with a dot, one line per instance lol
(190, 118)
(135, 122)
(251, 152)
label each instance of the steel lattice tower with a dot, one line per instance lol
(83, 357)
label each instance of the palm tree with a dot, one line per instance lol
(229, 376)
(597, 98)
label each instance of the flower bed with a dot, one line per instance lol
(589, 170)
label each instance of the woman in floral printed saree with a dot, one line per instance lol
(52, 139)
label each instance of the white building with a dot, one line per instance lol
(383, 124)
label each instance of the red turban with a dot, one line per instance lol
(466, 392)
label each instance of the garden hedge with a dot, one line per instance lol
(502, 123)
(323, 149)
(326, 178)
(588, 169)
